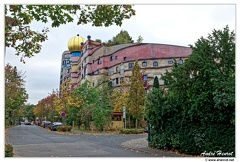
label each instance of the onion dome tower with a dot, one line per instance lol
(74, 45)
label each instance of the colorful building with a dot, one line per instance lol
(93, 61)
(87, 59)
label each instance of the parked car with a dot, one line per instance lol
(27, 123)
(45, 124)
(55, 125)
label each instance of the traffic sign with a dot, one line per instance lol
(63, 114)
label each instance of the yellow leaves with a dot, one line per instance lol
(120, 99)
(75, 101)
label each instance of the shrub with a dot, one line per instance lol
(8, 150)
(64, 128)
(131, 131)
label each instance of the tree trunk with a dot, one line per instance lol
(129, 122)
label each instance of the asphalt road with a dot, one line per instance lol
(33, 141)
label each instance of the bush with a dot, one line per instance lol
(64, 128)
(8, 150)
(131, 131)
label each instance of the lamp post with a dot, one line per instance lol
(124, 116)
(101, 126)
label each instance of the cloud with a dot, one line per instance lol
(166, 24)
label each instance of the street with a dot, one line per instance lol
(33, 141)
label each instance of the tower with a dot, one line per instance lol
(74, 47)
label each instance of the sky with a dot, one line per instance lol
(159, 23)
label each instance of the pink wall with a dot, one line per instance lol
(143, 51)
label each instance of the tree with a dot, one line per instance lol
(136, 93)
(28, 111)
(156, 82)
(140, 39)
(89, 101)
(121, 38)
(199, 105)
(154, 106)
(119, 99)
(102, 113)
(45, 108)
(62, 101)
(15, 92)
(27, 42)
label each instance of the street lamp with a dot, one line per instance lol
(124, 116)
(101, 126)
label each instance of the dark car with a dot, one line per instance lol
(55, 125)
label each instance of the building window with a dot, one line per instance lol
(116, 57)
(121, 80)
(159, 76)
(155, 63)
(145, 77)
(122, 69)
(99, 61)
(124, 58)
(98, 71)
(130, 65)
(111, 83)
(84, 72)
(117, 81)
(111, 58)
(180, 61)
(110, 72)
(144, 63)
(170, 61)
(117, 69)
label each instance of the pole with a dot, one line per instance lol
(125, 122)
(124, 116)
(72, 126)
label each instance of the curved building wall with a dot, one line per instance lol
(116, 62)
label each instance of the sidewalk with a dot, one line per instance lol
(141, 145)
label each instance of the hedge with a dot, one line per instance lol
(131, 131)
(64, 128)
(8, 150)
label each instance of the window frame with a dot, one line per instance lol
(144, 64)
(155, 63)
(132, 64)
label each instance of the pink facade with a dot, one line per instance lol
(97, 57)
(137, 52)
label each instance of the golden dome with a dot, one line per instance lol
(74, 43)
